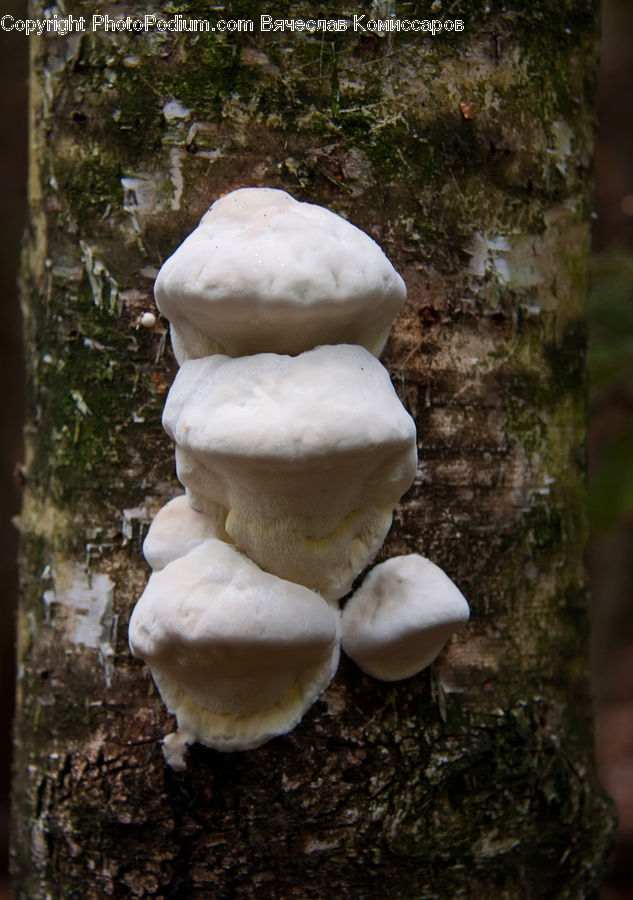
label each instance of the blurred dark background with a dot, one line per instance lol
(611, 434)
(611, 414)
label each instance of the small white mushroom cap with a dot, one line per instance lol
(263, 272)
(177, 528)
(237, 655)
(308, 454)
(399, 619)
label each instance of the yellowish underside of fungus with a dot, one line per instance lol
(233, 731)
(327, 564)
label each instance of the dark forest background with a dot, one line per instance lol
(611, 414)
(611, 433)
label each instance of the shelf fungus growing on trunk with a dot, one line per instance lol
(307, 455)
(237, 654)
(265, 273)
(401, 616)
(293, 449)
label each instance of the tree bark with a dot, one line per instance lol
(466, 155)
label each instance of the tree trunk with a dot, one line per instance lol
(466, 155)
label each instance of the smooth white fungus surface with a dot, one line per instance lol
(238, 655)
(263, 272)
(399, 619)
(308, 455)
(178, 528)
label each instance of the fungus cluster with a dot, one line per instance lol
(293, 449)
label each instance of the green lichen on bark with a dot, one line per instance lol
(475, 776)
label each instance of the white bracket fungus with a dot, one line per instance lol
(263, 272)
(399, 619)
(178, 528)
(237, 654)
(308, 455)
(293, 456)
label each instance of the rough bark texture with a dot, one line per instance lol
(475, 778)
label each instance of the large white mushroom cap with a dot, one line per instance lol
(307, 454)
(237, 654)
(263, 272)
(399, 619)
